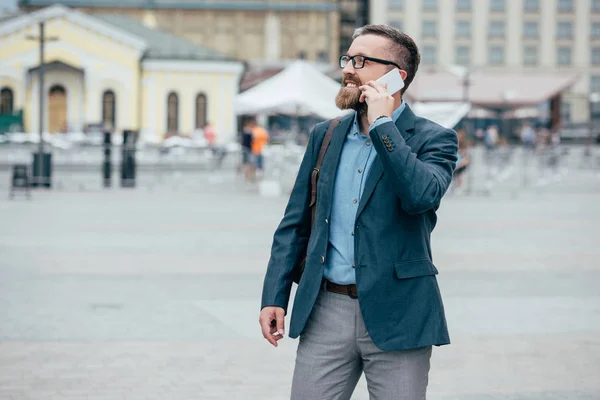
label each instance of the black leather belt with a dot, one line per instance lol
(349, 290)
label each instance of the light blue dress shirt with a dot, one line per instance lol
(356, 159)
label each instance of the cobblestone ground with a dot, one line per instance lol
(154, 292)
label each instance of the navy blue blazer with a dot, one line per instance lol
(397, 289)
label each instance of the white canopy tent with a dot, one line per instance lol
(446, 114)
(300, 89)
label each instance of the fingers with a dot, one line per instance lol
(265, 327)
(280, 315)
(272, 322)
(367, 92)
(379, 87)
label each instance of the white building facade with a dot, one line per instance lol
(529, 36)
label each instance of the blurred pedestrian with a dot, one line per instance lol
(368, 299)
(490, 139)
(260, 137)
(463, 161)
(528, 137)
(245, 167)
(218, 153)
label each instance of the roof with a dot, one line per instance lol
(491, 89)
(163, 45)
(255, 5)
(259, 71)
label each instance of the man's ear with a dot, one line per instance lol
(403, 74)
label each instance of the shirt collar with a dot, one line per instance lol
(395, 115)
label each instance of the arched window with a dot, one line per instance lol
(6, 101)
(108, 109)
(200, 111)
(172, 112)
(57, 109)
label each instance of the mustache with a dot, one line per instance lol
(356, 81)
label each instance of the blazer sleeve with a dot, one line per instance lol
(291, 236)
(420, 180)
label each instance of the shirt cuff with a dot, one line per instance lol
(378, 122)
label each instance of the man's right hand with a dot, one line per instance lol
(272, 320)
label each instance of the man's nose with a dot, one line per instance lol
(349, 69)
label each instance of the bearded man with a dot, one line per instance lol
(368, 299)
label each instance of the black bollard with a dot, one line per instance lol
(107, 163)
(128, 166)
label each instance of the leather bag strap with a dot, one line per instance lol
(315, 173)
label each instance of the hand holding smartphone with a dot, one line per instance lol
(393, 80)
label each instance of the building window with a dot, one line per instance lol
(594, 110)
(496, 55)
(6, 101)
(596, 30)
(564, 56)
(429, 5)
(108, 110)
(396, 4)
(596, 55)
(595, 83)
(596, 5)
(396, 24)
(565, 5)
(463, 5)
(530, 56)
(532, 5)
(429, 55)
(429, 29)
(172, 113)
(564, 30)
(323, 56)
(462, 55)
(496, 29)
(565, 111)
(463, 28)
(497, 5)
(531, 30)
(201, 105)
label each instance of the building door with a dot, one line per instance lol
(57, 109)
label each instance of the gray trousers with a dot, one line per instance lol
(335, 348)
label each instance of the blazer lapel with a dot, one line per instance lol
(405, 125)
(375, 175)
(332, 157)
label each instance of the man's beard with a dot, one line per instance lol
(349, 98)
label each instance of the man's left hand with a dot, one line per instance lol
(380, 102)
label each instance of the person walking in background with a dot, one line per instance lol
(210, 135)
(463, 161)
(260, 137)
(367, 299)
(245, 167)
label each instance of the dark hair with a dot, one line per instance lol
(404, 50)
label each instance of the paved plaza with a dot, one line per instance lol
(154, 292)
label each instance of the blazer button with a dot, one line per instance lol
(384, 137)
(322, 259)
(326, 221)
(353, 265)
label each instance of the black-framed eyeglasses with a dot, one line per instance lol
(358, 61)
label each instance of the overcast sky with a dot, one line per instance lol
(8, 4)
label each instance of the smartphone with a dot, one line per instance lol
(393, 80)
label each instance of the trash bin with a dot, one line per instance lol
(42, 175)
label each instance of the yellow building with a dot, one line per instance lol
(113, 70)
(251, 30)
